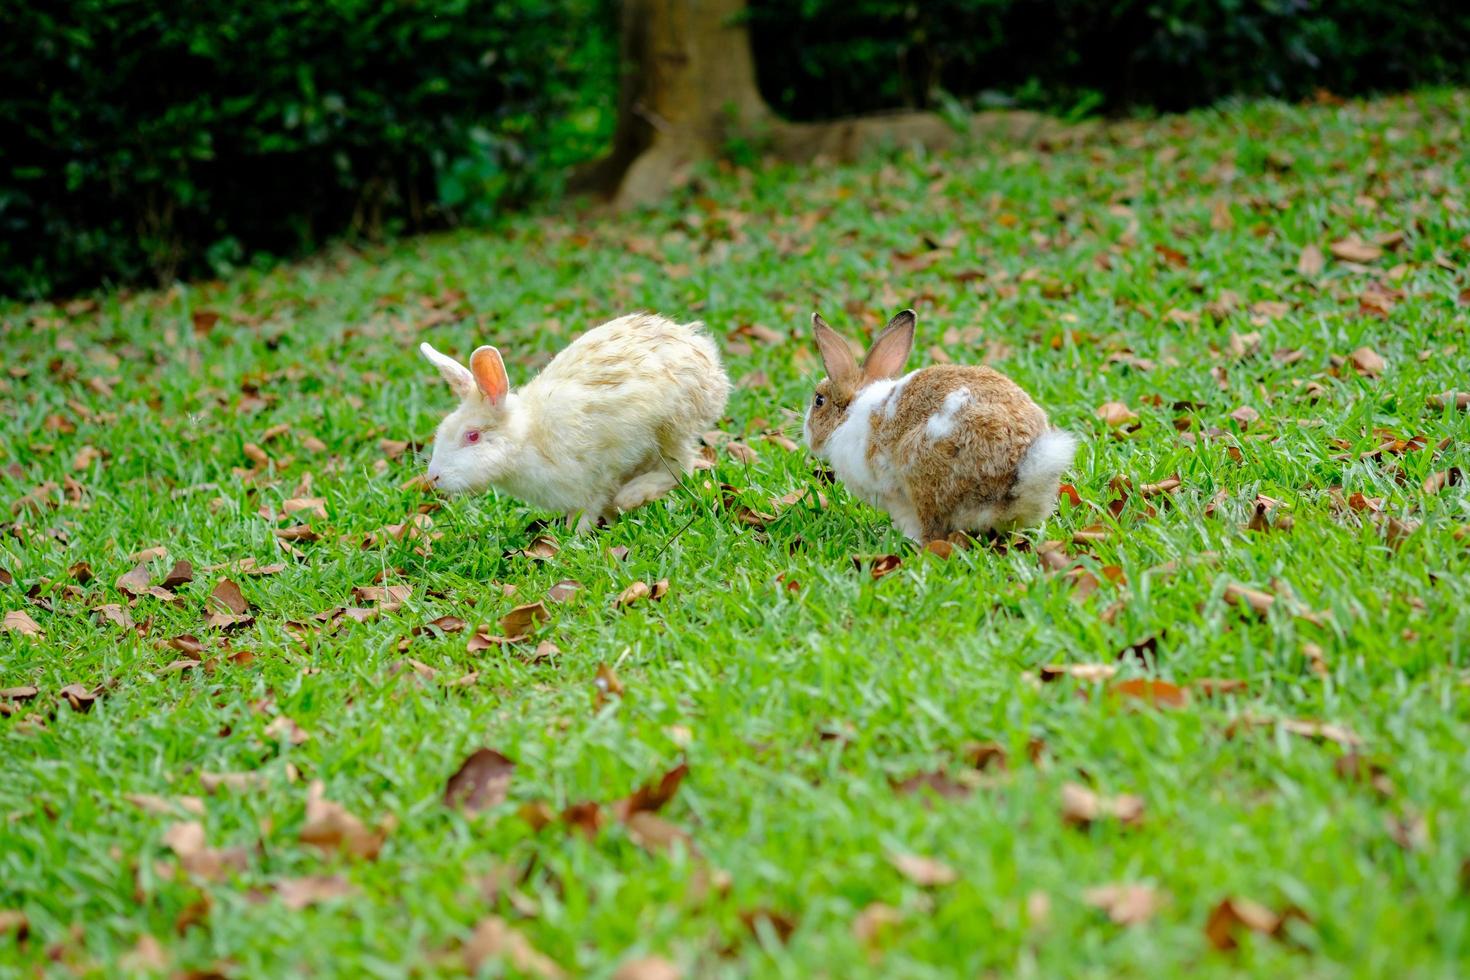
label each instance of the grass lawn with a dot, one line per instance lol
(903, 774)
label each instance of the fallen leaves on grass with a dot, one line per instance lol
(1436, 482)
(1126, 904)
(181, 574)
(606, 684)
(115, 614)
(78, 698)
(234, 781)
(924, 871)
(522, 621)
(874, 924)
(880, 565)
(299, 893)
(1116, 414)
(164, 806)
(330, 827)
(540, 549)
(1367, 362)
(1311, 262)
(563, 591)
(147, 956)
(652, 796)
(639, 591)
(187, 840)
(495, 939)
(1449, 399)
(656, 835)
(1354, 249)
(310, 506)
(1254, 599)
(1233, 916)
(1090, 673)
(134, 582)
(481, 781)
(1153, 692)
(1081, 807)
(14, 922)
(647, 968)
(1316, 730)
(18, 621)
(388, 598)
(227, 606)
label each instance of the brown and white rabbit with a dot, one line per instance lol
(604, 428)
(944, 448)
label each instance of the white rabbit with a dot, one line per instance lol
(945, 448)
(606, 427)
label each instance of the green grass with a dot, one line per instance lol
(769, 641)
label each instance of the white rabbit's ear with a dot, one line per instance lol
(489, 372)
(837, 357)
(460, 380)
(891, 350)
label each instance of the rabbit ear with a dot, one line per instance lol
(461, 382)
(891, 350)
(489, 372)
(836, 353)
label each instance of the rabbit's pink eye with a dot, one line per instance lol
(472, 436)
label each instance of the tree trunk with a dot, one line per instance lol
(688, 89)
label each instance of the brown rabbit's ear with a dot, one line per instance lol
(489, 372)
(837, 357)
(458, 377)
(890, 352)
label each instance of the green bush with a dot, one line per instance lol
(826, 58)
(149, 140)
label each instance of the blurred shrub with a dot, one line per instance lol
(152, 139)
(826, 58)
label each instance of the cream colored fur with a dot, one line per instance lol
(607, 425)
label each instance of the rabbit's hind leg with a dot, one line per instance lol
(644, 488)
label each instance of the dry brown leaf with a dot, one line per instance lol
(647, 968)
(656, 835)
(1154, 692)
(1449, 399)
(299, 893)
(384, 595)
(78, 698)
(310, 506)
(115, 614)
(1126, 904)
(227, 597)
(1311, 262)
(1220, 217)
(1081, 807)
(741, 452)
(652, 796)
(874, 923)
(164, 806)
(494, 939)
(284, 727)
(235, 781)
(634, 592)
(148, 956)
(18, 621)
(1232, 915)
(1353, 249)
(1316, 730)
(1088, 673)
(1115, 414)
(564, 591)
(1254, 599)
(521, 621)
(924, 871)
(14, 922)
(481, 781)
(181, 574)
(1245, 415)
(606, 684)
(1436, 482)
(330, 827)
(24, 692)
(1367, 362)
(134, 582)
(881, 565)
(196, 857)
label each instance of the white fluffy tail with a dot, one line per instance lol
(1041, 469)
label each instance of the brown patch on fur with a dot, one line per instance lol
(975, 464)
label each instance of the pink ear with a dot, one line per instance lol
(489, 372)
(837, 356)
(891, 350)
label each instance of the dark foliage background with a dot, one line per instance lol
(140, 141)
(145, 140)
(825, 58)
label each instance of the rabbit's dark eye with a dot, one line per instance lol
(472, 436)
(819, 401)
